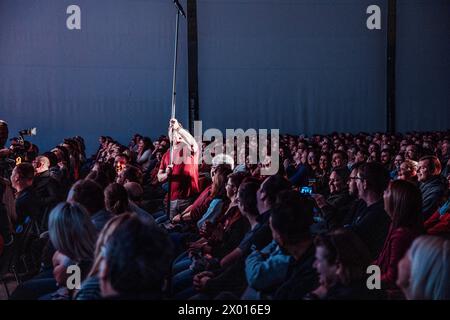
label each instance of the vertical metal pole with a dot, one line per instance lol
(174, 97)
(174, 81)
(192, 63)
(390, 65)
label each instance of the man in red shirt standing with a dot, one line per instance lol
(183, 171)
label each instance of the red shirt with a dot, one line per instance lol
(397, 243)
(439, 225)
(184, 178)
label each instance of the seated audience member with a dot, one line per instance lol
(339, 159)
(439, 223)
(323, 174)
(351, 155)
(290, 229)
(144, 153)
(135, 192)
(103, 174)
(90, 195)
(135, 262)
(121, 161)
(227, 185)
(218, 238)
(408, 171)
(217, 190)
(46, 187)
(371, 222)
(54, 170)
(374, 157)
(231, 277)
(27, 202)
(431, 183)
(73, 236)
(341, 260)
(412, 152)
(300, 171)
(403, 203)
(334, 209)
(266, 198)
(423, 273)
(116, 199)
(130, 174)
(386, 159)
(90, 288)
(361, 155)
(398, 160)
(266, 269)
(62, 156)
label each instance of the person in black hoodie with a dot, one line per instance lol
(431, 184)
(46, 188)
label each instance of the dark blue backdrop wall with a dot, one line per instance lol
(299, 65)
(112, 77)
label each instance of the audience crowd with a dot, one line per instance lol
(132, 222)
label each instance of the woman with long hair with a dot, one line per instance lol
(90, 288)
(403, 204)
(144, 153)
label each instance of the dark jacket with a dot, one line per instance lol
(261, 236)
(432, 192)
(338, 206)
(234, 227)
(27, 205)
(47, 189)
(232, 278)
(301, 279)
(371, 224)
(49, 192)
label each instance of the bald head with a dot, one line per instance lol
(41, 164)
(134, 191)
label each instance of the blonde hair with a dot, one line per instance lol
(430, 268)
(72, 232)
